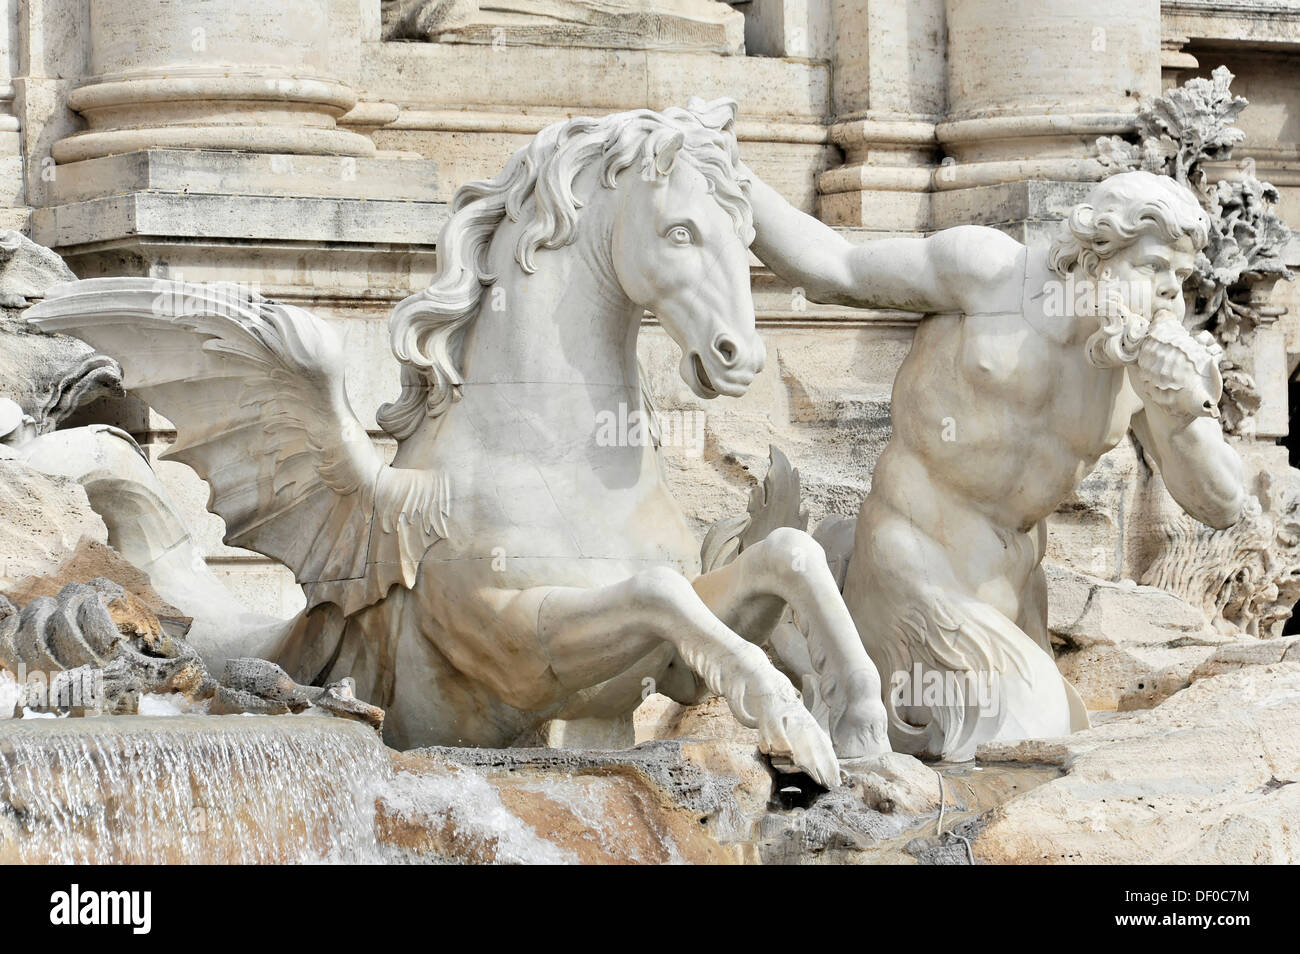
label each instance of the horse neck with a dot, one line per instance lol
(561, 341)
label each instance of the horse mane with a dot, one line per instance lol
(427, 329)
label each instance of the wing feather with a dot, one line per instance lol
(256, 390)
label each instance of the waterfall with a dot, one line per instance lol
(470, 817)
(241, 789)
(189, 789)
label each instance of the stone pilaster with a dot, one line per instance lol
(888, 92)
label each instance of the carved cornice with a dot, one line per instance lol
(1260, 22)
(1251, 9)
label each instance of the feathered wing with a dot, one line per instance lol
(256, 391)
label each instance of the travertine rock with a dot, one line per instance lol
(1208, 776)
(48, 375)
(1123, 645)
(711, 802)
(43, 521)
(894, 782)
(92, 560)
(1249, 652)
(262, 687)
(650, 805)
(1085, 611)
(27, 269)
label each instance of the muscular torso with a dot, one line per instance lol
(997, 417)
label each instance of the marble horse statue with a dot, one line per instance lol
(505, 569)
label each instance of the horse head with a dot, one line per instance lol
(675, 240)
(680, 248)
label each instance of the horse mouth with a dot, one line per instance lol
(702, 377)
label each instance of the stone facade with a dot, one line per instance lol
(302, 148)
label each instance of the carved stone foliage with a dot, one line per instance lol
(1178, 134)
(1246, 578)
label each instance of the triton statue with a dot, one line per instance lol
(1029, 365)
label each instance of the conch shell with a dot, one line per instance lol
(1179, 371)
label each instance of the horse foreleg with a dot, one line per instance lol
(590, 635)
(788, 567)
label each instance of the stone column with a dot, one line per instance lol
(226, 74)
(1032, 84)
(888, 93)
(11, 152)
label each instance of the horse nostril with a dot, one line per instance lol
(726, 350)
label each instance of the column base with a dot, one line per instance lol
(885, 183)
(249, 112)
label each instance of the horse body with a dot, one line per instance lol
(535, 501)
(509, 568)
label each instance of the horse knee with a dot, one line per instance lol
(787, 550)
(660, 588)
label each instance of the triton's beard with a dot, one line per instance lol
(1117, 341)
(1121, 330)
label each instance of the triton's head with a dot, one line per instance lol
(1141, 231)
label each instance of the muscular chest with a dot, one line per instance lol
(1001, 358)
(1046, 384)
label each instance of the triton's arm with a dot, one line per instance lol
(1176, 376)
(969, 268)
(1203, 473)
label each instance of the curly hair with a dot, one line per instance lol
(1118, 212)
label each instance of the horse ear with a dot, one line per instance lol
(667, 152)
(718, 114)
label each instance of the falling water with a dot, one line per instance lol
(462, 804)
(193, 788)
(226, 789)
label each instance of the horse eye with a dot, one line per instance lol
(680, 235)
